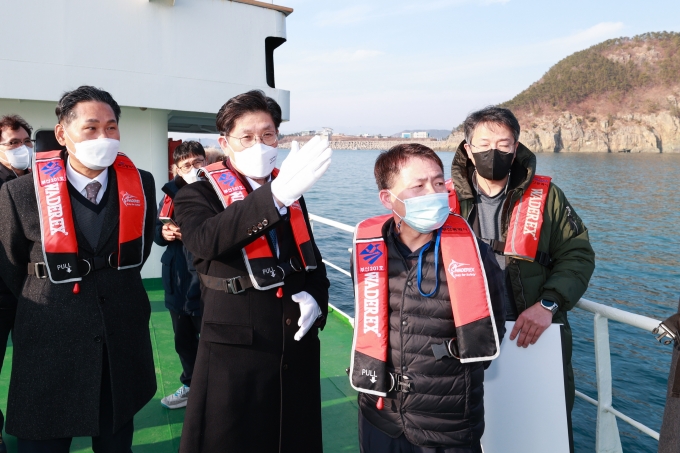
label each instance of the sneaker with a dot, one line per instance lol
(176, 400)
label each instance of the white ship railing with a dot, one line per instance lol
(607, 436)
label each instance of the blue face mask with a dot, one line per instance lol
(427, 212)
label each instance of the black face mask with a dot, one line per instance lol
(493, 164)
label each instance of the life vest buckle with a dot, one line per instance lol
(399, 383)
(234, 285)
(449, 348)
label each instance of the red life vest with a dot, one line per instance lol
(468, 292)
(524, 230)
(57, 228)
(168, 208)
(260, 259)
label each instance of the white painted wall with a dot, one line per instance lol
(191, 57)
(144, 137)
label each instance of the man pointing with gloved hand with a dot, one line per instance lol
(256, 380)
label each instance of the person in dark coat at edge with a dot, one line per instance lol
(492, 172)
(256, 381)
(82, 363)
(180, 281)
(16, 149)
(434, 402)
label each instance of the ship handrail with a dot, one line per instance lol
(607, 438)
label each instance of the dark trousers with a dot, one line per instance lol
(6, 325)
(187, 329)
(106, 442)
(372, 440)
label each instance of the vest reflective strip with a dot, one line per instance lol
(57, 228)
(468, 289)
(230, 189)
(168, 208)
(524, 231)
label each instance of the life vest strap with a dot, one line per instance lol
(235, 285)
(542, 258)
(85, 265)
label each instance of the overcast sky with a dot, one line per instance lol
(381, 66)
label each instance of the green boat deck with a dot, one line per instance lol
(158, 429)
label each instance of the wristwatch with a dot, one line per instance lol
(549, 305)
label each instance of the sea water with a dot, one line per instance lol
(630, 205)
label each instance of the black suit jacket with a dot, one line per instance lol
(59, 336)
(253, 384)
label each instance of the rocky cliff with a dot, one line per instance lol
(621, 95)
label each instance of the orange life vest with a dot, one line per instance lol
(57, 228)
(524, 230)
(468, 292)
(261, 262)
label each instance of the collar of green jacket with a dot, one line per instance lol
(462, 169)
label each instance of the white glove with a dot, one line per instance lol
(309, 313)
(301, 169)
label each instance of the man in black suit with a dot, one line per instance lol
(74, 238)
(16, 149)
(255, 386)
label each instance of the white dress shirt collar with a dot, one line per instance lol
(79, 181)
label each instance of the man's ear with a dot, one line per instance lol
(386, 199)
(468, 150)
(222, 140)
(59, 134)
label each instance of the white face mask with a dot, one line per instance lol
(425, 213)
(19, 158)
(192, 176)
(258, 161)
(96, 154)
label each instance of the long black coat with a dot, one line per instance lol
(59, 336)
(255, 389)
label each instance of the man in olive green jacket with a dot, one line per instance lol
(490, 172)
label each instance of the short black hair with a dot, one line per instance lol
(187, 149)
(389, 163)
(84, 93)
(252, 101)
(494, 115)
(14, 122)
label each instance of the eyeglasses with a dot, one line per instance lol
(196, 163)
(504, 148)
(16, 143)
(248, 140)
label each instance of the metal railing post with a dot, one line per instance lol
(607, 438)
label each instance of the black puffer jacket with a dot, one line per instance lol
(445, 406)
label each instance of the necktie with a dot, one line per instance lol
(91, 191)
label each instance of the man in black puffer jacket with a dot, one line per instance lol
(444, 317)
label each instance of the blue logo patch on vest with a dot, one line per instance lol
(371, 253)
(227, 179)
(51, 169)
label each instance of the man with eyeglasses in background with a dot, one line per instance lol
(539, 240)
(180, 282)
(16, 150)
